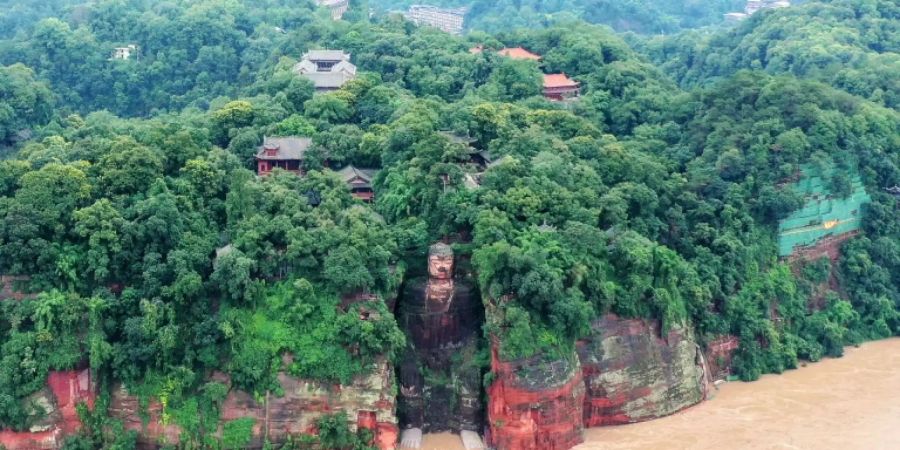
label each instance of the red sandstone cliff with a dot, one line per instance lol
(625, 372)
(719, 353)
(64, 391)
(368, 401)
(632, 374)
(534, 405)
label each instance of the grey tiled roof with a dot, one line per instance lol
(349, 173)
(335, 77)
(289, 148)
(327, 55)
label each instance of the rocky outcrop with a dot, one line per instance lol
(830, 248)
(58, 400)
(632, 374)
(368, 402)
(535, 404)
(719, 353)
(625, 371)
(150, 434)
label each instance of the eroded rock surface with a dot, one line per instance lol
(632, 374)
(368, 402)
(535, 404)
(64, 391)
(719, 353)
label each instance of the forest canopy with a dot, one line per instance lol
(129, 195)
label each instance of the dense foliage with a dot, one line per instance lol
(850, 44)
(129, 199)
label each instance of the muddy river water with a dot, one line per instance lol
(851, 402)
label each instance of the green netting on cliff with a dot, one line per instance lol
(822, 214)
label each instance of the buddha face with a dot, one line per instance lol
(440, 266)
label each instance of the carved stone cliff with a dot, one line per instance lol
(440, 387)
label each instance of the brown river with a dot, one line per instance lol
(836, 404)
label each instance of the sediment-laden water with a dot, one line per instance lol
(845, 403)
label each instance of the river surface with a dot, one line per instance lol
(851, 402)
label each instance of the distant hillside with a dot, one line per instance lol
(641, 16)
(17, 15)
(850, 44)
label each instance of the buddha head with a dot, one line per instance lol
(440, 261)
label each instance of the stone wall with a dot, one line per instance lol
(632, 374)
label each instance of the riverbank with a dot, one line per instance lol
(849, 402)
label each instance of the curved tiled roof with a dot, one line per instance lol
(288, 148)
(558, 80)
(519, 53)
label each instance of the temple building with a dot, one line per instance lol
(360, 182)
(329, 70)
(337, 7)
(559, 87)
(519, 53)
(284, 153)
(449, 20)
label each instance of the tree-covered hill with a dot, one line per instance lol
(852, 45)
(128, 191)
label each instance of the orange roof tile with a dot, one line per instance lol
(518, 53)
(557, 80)
(476, 49)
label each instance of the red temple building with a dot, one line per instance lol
(360, 182)
(519, 53)
(559, 87)
(284, 153)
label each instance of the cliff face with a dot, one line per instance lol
(127, 408)
(719, 353)
(535, 405)
(368, 402)
(631, 374)
(64, 391)
(625, 372)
